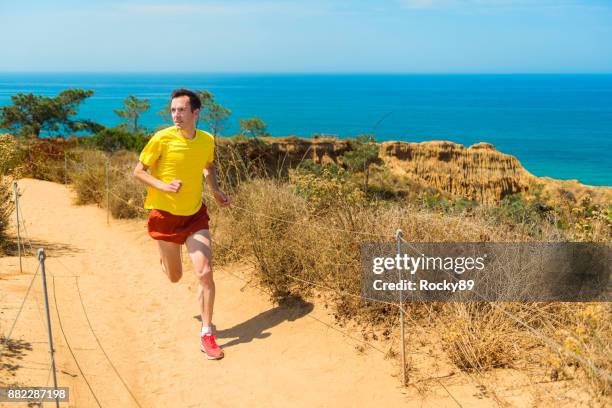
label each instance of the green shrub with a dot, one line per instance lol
(327, 191)
(436, 201)
(118, 138)
(310, 166)
(530, 214)
(363, 154)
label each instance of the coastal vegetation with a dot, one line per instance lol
(300, 221)
(30, 114)
(254, 127)
(132, 109)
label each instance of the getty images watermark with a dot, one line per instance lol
(527, 272)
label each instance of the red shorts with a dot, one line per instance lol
(176, 228)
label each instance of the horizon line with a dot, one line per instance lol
(313, 72)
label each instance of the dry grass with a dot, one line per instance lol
(8, 160)
(88, 175)
(318, 240)
(43, 159)
(584, 333)
(6, 210)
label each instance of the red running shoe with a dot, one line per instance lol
(208, 345)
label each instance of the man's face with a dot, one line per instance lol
(182, 116)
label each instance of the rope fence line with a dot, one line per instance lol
(51, 369)
(112, 192)
(28, 240)
(20, 220)
(88, 322)
(102, 348)
(290, 222)
(140, 209)
(339, 292)
(290, 276)
(97, 338)
(363, 341)
(551, 342)
(262, 290)
(59, 319)
(438, 379)
(7, 337)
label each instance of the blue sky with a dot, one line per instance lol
(432, 36)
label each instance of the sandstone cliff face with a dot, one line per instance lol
(478, 173)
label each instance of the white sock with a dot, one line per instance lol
(206, 330)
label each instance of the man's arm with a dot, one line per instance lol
(141, 173)
(211, 179)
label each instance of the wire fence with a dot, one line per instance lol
(7, 337)
(555, 345)
(110, 191)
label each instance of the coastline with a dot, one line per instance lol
(556, 124)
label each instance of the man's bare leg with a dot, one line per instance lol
(200, 252)
(171, 257)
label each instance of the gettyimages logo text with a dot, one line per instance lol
(484, 271)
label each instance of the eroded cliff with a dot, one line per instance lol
(479, 172)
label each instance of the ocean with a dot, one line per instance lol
(556, 125)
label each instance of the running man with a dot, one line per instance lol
(177, 157)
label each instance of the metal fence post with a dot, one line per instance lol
(16, 193)
(398, 235)
(65, 168)
(41, 259)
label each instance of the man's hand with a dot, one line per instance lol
(173, 187)
(222, 199)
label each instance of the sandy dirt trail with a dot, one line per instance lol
(105, 283)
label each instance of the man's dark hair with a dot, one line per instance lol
(194, 99)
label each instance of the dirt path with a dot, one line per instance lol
(105, 283)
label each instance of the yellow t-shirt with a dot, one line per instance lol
(170, 156)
